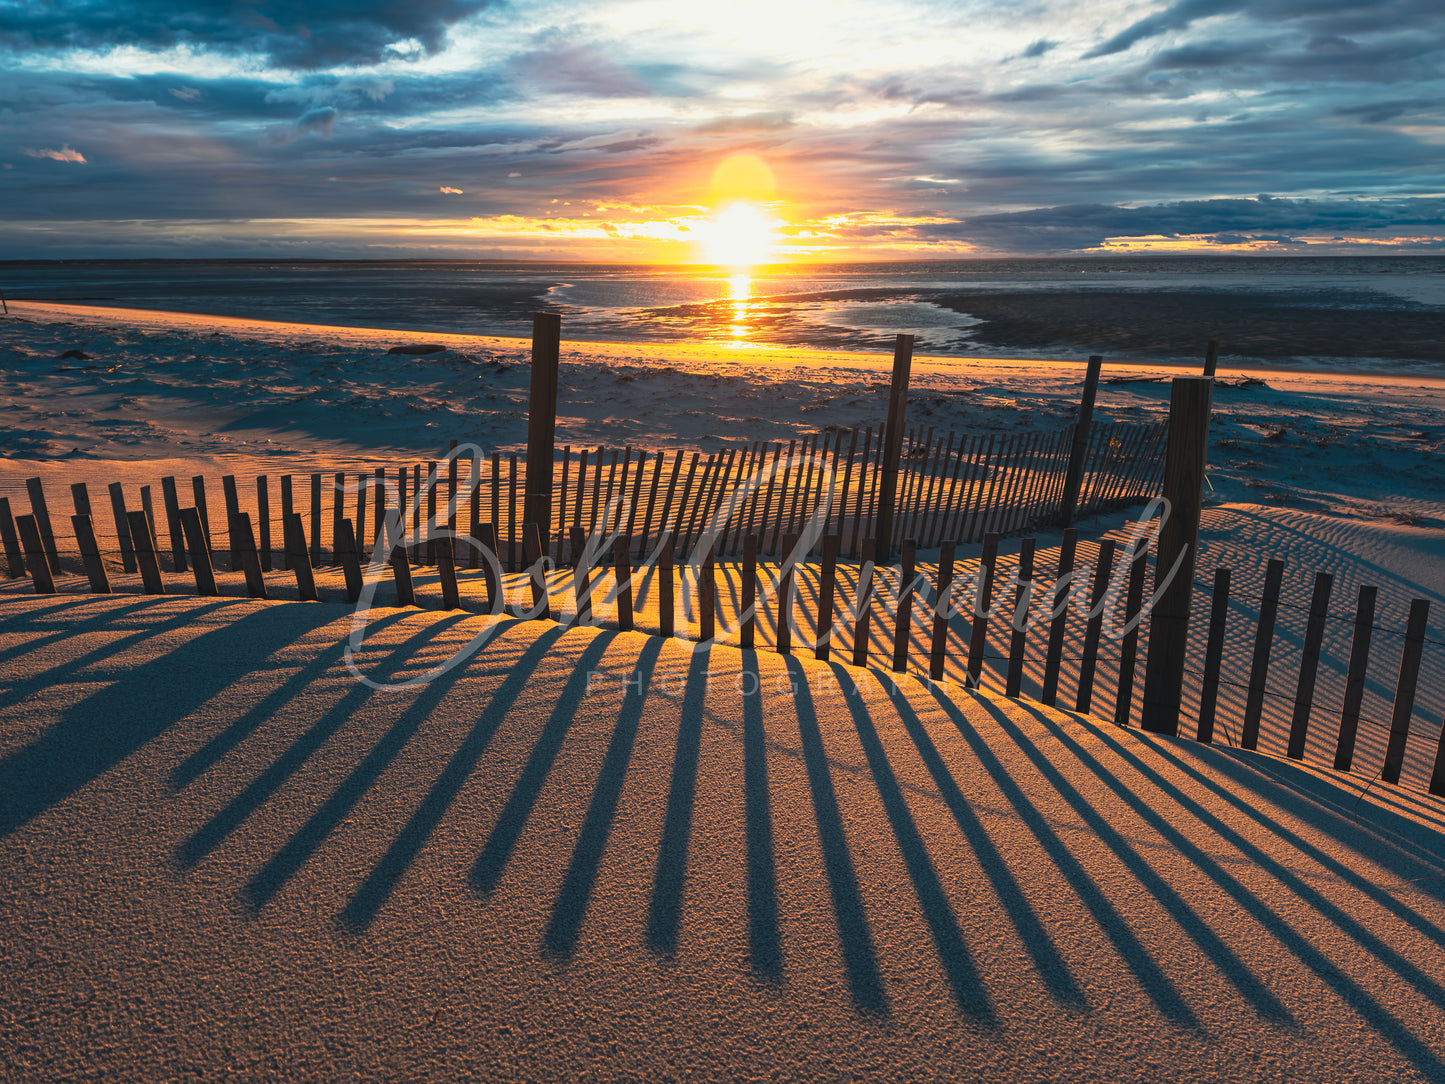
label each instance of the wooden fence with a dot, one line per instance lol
(951, 487)
(1093, 614)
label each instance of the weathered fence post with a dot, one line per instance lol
(243, 553)
(172, 501)
(1304, 696)
(90, 554)
(865, 602)
(903, 617)
(13, 559)
(1259, 665)
(1211, 357)
(622, 569)
(1184, 463)
(1355, 679)
(350, 561)
(142, 533)
(41, 512)
(826, 587)
(982, 608)
(35, 557)
(299, 560)
(1213, 657)
(785, 594)
(892, 446)
(942, 605)
(1088, 662)
(750, 589)
(542, 419)
(122, 527)
(1405, 689)
(1074, 474)
(200, 555)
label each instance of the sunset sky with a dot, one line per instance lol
(627, 129)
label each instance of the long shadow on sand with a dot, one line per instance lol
(958, 963)
(361, 910)
(283, 865)
(141, 702)
(487, 871)
(1244, 980)
(1114, 925)
(669, 880)
(1416, 1050)
(234, 813)
(569, 907)
(1039, 945)
(855, 939)
(765, 950)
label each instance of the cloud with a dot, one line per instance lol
(451, 191)
(186, 94)
(65, 154)
(1220, 221)
(291, 34)
(313, 122)
(1175, 17)
(1039, 48)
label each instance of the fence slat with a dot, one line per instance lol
(122, 527)
(263, 520)
(41, 511)
(666, 595)
(14, 561)
(622, 569)
(785, 593)
(1259, 666)
(1304, 696)
(942, 599)
(443, 555)
(233, 506)
(491, 567)
(288, 508)
(1405, 689)
(350, 560)
(1213, 656)
(244, 555)
(200, 556)
(90, 554)
(299, 559)
(1059, 609)
(536, 570)
(749, 590)
(400, 564)
(35, 556)
(1355, 678)
(1103, 569)
(1018, 620)
(827, 584)
(142, 533)
(903, 616)
(316, 519)
(707, 599)
(982, 604)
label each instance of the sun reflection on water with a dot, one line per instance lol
(740, 293)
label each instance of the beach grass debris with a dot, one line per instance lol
(418, 348)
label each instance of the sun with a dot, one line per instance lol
(739, 235)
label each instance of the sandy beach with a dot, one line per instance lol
(221, 849)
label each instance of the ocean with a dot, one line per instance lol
(1366, 311)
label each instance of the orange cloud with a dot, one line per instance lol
(65, 154)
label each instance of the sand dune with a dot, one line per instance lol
(223, 851)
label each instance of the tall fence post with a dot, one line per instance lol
(542, 420)
(1184, 462)
(1074, 473)
(892, 446)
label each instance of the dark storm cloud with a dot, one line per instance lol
(1324, 20)
(1226, 221)
(304, 34)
